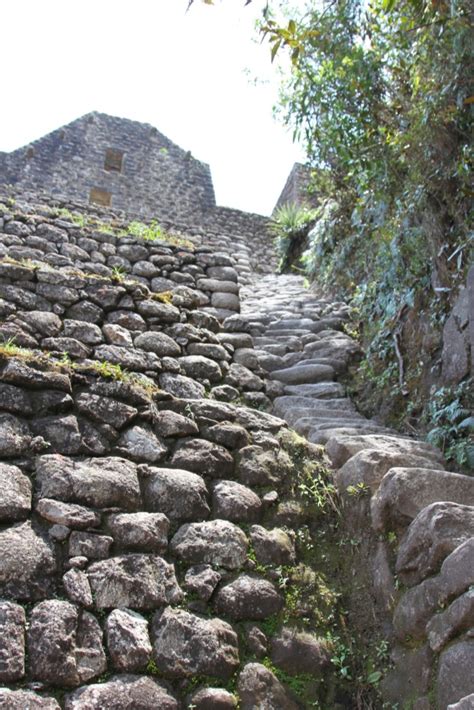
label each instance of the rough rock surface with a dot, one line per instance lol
(185, 644)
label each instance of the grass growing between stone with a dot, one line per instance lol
(319, 593)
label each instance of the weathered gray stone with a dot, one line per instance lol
(15, 400)
(105, 409)
(410, 676)
(202, 580)
(203, 457)
(259, 688)
(341, 448)
(419, 604)
(116, 335)
(141, 444)
(147, 532)
(233, 501)
(55, 624)
(70, 514)
(181, 386)
(12, 642)
(168, 423)
(27, 563)
(130, 359)
(455, 354)
(200, 368)
(215, 542)
(158, 343)
(26, 700)
(466, 703)
(46, 324)
(243, 378)
(15, 437)
(369, 466)
(71, 346)
(90, 545)
(138, 581)
(404, 492)
(122, 692)
(82, 330)
(15, 501)
(228, 434)
(255, 639)
(260, 467)
(455, 676)
(180, 495)
(435, 532)
(458, 617)
(212, 699)
(186, 645)
(162, 312)
(299, 652)
(61, 432)
(99, 482)
(248, 598)
(128, 640)
(77, 587)
(17, 372)
(272, 547)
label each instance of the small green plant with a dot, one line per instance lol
(118, 273)
(150, 232)
(359, 490)
(450, 411)
(290, 226)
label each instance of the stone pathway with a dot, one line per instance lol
(299, 338)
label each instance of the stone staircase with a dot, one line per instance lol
(417, 518)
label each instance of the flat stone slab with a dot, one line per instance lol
(305, 374)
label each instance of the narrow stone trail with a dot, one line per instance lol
(299, 338)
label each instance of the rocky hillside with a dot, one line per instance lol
(166, 540)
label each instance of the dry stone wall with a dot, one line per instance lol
(146, 538)
(165, 539)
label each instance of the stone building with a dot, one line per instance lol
(115, 162)
(296, 190)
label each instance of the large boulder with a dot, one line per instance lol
(181, 495)
(455, 676)
(99, 482)
(248, 598)
(404, 492)
(128, 640)
(54, 626)
(216, 542)
(27, 563)
(435, 532)
(15, 502)
(12, 642)
(138, 581)
(122, 692)
(186, 645)
(259, 688)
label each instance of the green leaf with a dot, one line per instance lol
(374, 677)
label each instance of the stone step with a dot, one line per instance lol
(320, 390)
(306, 374)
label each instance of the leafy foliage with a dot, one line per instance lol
(450, 415)
(380, 97)
(290, 225)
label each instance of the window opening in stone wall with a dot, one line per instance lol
(113, 160)
(100, 197)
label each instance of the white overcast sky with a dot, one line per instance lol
(150, 61)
